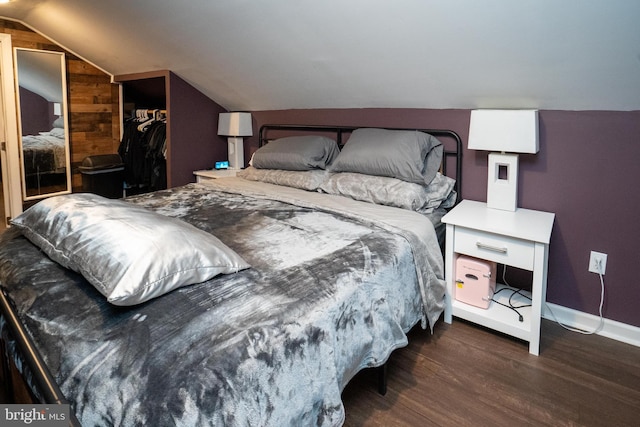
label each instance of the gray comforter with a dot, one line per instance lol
(334, 285)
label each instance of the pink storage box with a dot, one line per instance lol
(475, 281)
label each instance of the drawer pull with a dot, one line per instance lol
(481, 245)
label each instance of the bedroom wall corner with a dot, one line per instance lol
(194, 131)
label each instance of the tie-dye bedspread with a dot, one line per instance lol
(328, 294)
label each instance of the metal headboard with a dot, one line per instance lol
(451, 149)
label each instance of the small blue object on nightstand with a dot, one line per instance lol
(222, 165)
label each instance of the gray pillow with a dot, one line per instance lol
(306, 180)
(128, 253)
(57, 132)
(411, 156)
(296, 153)
(58, 123)
(391, 191)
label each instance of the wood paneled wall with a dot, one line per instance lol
(92, 100)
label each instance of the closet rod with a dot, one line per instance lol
(149, 111)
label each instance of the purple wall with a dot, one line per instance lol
(36, 113)
(193, 126)
(586, 173)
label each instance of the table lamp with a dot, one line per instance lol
(235, 125)
(509, 132)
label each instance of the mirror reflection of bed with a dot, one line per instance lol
(44, 157)
(41, 94)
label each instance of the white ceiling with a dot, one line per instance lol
(289, 54)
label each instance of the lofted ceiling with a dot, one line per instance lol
(290, 54)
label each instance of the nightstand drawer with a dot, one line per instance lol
(494, 247)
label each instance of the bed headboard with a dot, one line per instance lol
(450, 140)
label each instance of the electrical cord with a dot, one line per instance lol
(600, 325)
(510, 305)
(515, 291)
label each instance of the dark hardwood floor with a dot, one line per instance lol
(465, 375)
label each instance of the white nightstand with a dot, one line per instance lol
(208, 174)
(519, 239)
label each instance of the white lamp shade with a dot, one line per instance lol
(235, 124)
(512, 131)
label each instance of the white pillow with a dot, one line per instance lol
(128, 253)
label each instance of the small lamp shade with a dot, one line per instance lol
(235, 124)
(510, 131)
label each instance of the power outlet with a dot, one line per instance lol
(596, 259)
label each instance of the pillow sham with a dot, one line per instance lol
(128, 253)
(392, 191)
(58, 123)
(57, 132)
(306, 180)
(296, 153)
(411, 156)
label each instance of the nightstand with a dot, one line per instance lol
(208, 174)
(519, 239)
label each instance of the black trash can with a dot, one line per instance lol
(103, 174)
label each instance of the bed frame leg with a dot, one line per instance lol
(382, 379)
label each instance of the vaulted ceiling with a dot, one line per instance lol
(287, 54)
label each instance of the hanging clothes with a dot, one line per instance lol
(143, 151)
(156, 163)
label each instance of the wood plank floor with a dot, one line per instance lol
(465, 375)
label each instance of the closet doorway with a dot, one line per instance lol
(9, 148)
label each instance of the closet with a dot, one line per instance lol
(191, 121)
(143, 150)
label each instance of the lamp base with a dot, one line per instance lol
(236, 152)
(502, 183)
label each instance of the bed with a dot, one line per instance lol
(317, 276)
(45, 153)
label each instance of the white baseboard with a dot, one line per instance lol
(577, 319)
